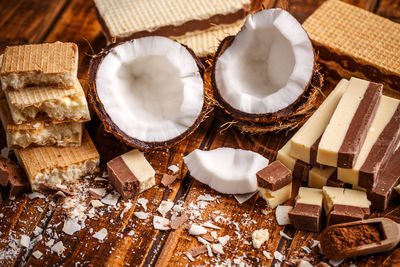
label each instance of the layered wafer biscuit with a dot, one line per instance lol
(39, 64)
(48, 102)
(379, 144)
(345, 134)
(58, 165)
(206, 42)
(39, 132)
(304, 144)
(127, 19)
(356, 42)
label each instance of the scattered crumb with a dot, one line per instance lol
(141, 215)
(111, 199)
(168, 179)
(195, 251)
(282, 233)
(161, 223)
(164, 207)
(217, 248)
(25, 241)
(173, 168)
(100, 235)
(143, 202)
(223, 240)
(37, 254)
(197, 230)
(58, 248)
(267, 255)
(178, 221)
(96, 203)
(259, 237)
(279, 256)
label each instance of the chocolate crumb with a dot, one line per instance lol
(178, 221)
(197, 250)
(168, 179)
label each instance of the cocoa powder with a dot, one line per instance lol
(342, 238)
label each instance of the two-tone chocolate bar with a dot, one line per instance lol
(319, 178)
(345, 134)
(379, 144)
(131, 173)
(304, 144)
(345, 205)
(299, 168)
(306, 214)
(275, 183)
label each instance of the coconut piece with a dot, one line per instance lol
(250, 78)
(161, 223)
(100, 235)
(157, 85)
(197, 230)
(226, 170)
(282, 214)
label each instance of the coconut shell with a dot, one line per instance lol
(278, 117)
(111, 127)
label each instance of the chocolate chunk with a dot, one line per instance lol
(168, 179)
(54, 189)
(382, 193)
(197, 250)
(274, 176)
(13, 179)
(122, 178)
(306, 217)
(345, 213)
(178, 221)
(301, 171)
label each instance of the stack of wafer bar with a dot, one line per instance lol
(355, 42)
(350, 141)
(45, 103)
(199, 24)
(43, 113)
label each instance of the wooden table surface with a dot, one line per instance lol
(37, 21)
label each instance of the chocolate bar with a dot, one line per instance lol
(275, 183)
(299, 168)
(379, 144)
(319, 178)
(383, 191)
(345, 134)
(12, 179)
(304, 144)
(131, 173)
(306, 214)
(345, 205)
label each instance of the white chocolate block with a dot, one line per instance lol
(318, 177)
(335, 133)
(386, 109)
(344, 196)
(275, 198)
(312, 196)
(315, 126)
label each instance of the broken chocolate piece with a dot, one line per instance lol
(13, 179)
(275, 183)
(346, 213)
(195, 251)
(54, 189)
(178, 221)
(168, 179)
(306, 215)
(131, 173)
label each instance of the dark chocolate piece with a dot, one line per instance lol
(301, 171)
(383, 191)
(381, 152)
(274, 176)
(54, 189)
(359, 125)
(306, 217)
(345, 213)
(121, 177)
(5, 166)
(13, 179)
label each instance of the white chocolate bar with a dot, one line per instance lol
(312, 196)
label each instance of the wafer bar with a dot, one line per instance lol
(319, 178)
(379, 144)
(275, 183)
(58, 165)
(383, 192)
(306, 214)
(344, 205)
(48, 102)
(122, 20)
(304, 144)
(131, 173)
(356, 42)
(39, 64)
(39, 132)
(345, 134)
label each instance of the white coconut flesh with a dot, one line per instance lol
(268, 65)
(150, 88)
(226, 170)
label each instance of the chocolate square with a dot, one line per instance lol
(121, 177)
(306, 217)
(274, 176)
(346, 213)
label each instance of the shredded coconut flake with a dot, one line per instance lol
(141, 215)
(164, 207)
(58, 248)
(161, 223)
(173, 168)
(100, 235)
(197, 230)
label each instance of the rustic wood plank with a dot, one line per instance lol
(78, 24)
(27, 21)
(389, 9)
(119, 248)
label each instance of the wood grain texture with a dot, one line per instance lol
(24, 22)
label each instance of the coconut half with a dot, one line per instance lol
(148, 91)
(226, 170)
(265, 69)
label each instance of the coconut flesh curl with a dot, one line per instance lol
(150, 88)
(268, 66)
